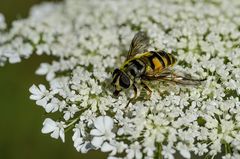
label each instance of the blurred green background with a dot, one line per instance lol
(20, 119)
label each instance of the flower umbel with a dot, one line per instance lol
(103, 131)
(88, 43)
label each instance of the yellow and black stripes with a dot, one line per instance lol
(171, 60)
(160, 60)
(155, 60)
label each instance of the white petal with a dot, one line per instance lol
(67, 115)
(106, 147)
(108, 123)
(14, 58)
(50, 76)
(78, 142)
(55, 91)
(76, 134)
(185, 153)
(96, 132)
(42, 88)
(62, 135)
(48, 126)
(42, 102)
(78, 148)
(43, 69)
(49, 107)
(99, 124)
(34, 90)
(97, 141)
(138, 154)
(35, 97)
(55, 133)
(112, 157)
(55, 108)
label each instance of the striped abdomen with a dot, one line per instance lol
(148, 63)
(159, 60)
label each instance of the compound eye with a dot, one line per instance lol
(124, 81)
(115, 72)
(115, 75)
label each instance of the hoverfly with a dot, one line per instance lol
(142, 65)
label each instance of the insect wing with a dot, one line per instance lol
(184, 80)
(139, 44)
(170, 76)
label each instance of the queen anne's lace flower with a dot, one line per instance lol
(103, 131)
(55, 128)
(79, 138)
(41, 95)
(90, 38)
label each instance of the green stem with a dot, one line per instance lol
(74, 121)
(69, 126)
(229, 149)
(226, 148)
(158, 154)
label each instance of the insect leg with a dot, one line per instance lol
(145, 86)
(135, 94)
(135, 91)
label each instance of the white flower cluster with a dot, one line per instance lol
(90, 38)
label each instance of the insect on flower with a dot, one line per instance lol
(142, 65)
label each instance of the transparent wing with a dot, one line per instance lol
(184, 80)
(170, 76)
(139, 44)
